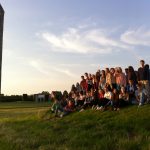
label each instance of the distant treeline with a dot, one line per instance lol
(14, 98)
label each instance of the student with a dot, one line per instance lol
(98, 75)
(131, 88)
(101, 103)
(68, 108)
(140, 95)
(88, 101)
(126, 74)
(81, 99)
(132, 75)
(143, 77)
(120, 78)
(141, 72)
(108, 76)
(102, 80)
(123, 97)
(56, 107)
(113, 78)
(89, 82)
(73, 88)
(147, 82)
(83, 84)
(78, 87)
(108, 97)
(115, 100)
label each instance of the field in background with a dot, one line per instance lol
(28, 126)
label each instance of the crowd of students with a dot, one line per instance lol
(106, 89)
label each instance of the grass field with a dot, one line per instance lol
(24, 126)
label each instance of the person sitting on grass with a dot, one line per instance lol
(70, 107)
(88, 101)
(108, 98)
(131, 88)
(81, 99)
(100, 103)
(123, 97)
(56, 107)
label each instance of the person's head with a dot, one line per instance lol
(106, 89)
(90, 75)
(120, 70)
(101, 90)
(98, 71)
(88, 93)
(112, 70)
(103, 72)
(147, 66)
(142, 62)
(107, 70)
(81, 93)
(116, 70)
(126, 70)
(82, 77)
(73, 85)
(69, 103)
(77, 84)
(93, 76)
(123, 89)
(53, 94)
(139, 86)
(115, 91)
(131, 82)
(86, 74)
(130, 69)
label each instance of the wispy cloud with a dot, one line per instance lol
(83, 40)
(36, 65)
(66, 72)
(140, 36)
(48, 69)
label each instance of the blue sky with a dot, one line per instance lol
(49, 44)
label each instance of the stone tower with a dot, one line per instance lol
(1, 40)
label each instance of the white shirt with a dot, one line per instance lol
(108, 95)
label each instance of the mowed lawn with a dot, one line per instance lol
(29, 126)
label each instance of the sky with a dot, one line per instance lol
(49, 44)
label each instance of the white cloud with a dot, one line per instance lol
(36, 65)
(48, 69)
(140, 36)
(79, 40)
(66, 72)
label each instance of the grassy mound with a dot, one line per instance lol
(22, 126)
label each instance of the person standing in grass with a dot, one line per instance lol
(83, 84)
(120, 78)
(147, 82)
(143, 77)
(132, 75)
(140, 94)
(102, 80)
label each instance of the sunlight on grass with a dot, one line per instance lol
(32, 126)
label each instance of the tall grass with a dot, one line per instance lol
(24, 127)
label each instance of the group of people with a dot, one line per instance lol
(106, 89)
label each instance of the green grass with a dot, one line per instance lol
(22, 127)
